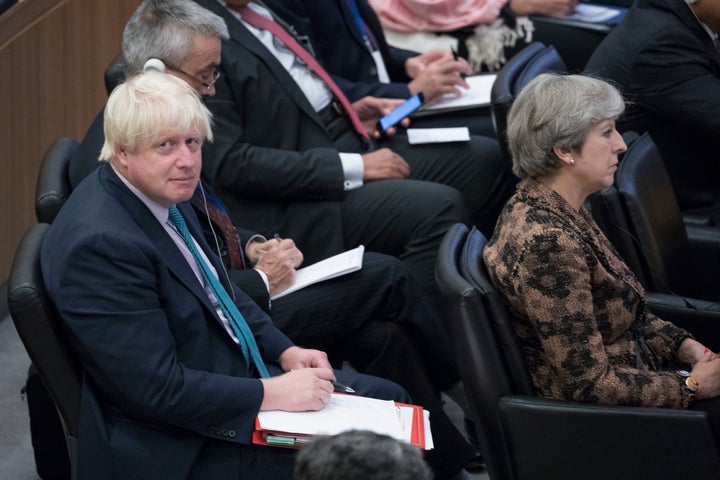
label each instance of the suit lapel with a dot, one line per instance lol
(167, 249)
(241, 37)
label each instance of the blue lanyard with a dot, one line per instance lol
(361, 27)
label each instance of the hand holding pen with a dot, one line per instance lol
(278, 258)
(456, 57)
(340, 388)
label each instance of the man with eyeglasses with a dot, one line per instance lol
(376, 318)
(203, 83)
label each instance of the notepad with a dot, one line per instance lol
(335, 266)
(478, 95)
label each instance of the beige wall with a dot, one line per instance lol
(52, 57)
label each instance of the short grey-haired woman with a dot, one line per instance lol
(581, 315)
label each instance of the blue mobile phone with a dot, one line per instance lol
(396, 116)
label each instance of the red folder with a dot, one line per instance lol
(294, 440)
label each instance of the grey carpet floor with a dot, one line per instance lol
(16, 456)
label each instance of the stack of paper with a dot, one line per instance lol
(409, 423)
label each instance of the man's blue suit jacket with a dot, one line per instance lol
(163, 377)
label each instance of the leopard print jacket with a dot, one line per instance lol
(581, 314)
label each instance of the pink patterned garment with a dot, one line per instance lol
(435, 15)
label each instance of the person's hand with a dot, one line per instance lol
(298, 390)
(417, 64)
(691, 351)
(437, 77)
(278, 259)
(554, 8)
(295, 358)
(707, 372)
(384, 163)
(371, 109)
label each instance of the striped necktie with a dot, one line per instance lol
(264, 23)
(210, 205)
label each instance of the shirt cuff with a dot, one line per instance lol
(264, 279)
(257, 238)
(353, 170)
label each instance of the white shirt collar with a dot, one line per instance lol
(159, 212)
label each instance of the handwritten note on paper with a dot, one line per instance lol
(342, 413)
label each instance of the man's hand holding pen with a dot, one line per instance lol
(307, 383)
(277, 259)
(437, 73)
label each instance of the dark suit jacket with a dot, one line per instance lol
(289, 172)
(275, 162)
(667, 65)
(85, 160)
(340, 47)
(164, 378)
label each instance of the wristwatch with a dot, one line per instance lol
(690, 382)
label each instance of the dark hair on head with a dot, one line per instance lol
(361, 455)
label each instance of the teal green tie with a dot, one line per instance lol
(237, 321)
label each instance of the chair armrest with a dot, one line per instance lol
(697, 263)
(571, 440)
(53, 185)
(699, 317)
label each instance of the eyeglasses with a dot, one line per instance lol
(203, 80)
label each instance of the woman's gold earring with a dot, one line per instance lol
(572, 161)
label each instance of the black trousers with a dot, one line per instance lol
(379, 320)
(330, 314)
(457, 182)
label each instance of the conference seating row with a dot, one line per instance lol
(34, 315)
(676, 257)
(526, 437)
(521, 435)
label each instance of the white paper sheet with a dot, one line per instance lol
(437, 135)
(340, 264)
(476, 96)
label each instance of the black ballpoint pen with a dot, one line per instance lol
(339, 387)
(455, 57)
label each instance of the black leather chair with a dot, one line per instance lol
(114, 73)
(678, 263)
(522, 67)
(677, 258)
(36, 321)
(526, 437)
(53, 185)
(575, 40)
